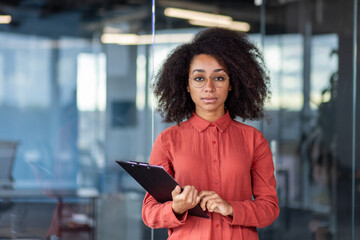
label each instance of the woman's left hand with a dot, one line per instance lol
(211, 201)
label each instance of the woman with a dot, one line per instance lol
(224, 165)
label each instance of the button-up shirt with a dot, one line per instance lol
(225, 156)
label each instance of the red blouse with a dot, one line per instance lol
(225, 156)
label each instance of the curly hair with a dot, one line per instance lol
(245, 65)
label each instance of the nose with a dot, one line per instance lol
(209, 86)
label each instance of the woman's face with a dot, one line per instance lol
(208, 86)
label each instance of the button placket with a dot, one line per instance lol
(215, 154)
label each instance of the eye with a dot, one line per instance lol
(198, 79)
(219, 78)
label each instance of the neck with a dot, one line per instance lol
(210, 116)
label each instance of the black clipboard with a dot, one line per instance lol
(157, 182)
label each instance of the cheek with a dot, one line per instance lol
(225, 94)
(193, 92)
(192, 95)
(195, 96)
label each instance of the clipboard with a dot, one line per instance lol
(157, 182)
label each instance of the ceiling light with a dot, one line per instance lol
(133, 39)
(5, 19)
(196, 15)
(234, 25)
(124, 39)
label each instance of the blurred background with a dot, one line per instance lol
(75, 96)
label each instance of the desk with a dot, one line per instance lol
(72, 211)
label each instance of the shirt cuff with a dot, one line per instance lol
(235, 218)
(180, 219)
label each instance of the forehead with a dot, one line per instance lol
(205, 62)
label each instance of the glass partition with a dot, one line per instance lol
(311, 62)
(76, 95)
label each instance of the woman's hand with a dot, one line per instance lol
(214, 203)
(185, 200)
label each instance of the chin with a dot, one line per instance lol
(211, 108)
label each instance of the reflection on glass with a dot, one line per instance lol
(141, 78)
(91, 85)
(91, 105)
(18, 53)
(324, 64)
(283, 55)
(61, 88)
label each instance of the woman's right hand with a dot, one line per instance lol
(184, 200)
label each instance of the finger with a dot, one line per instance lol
(183, 194)
(205, 193)
(198, 200)
(203, 204)
(221, 207)
(211, 197)
(187, 189)
(208, 205)
(176, 191)
(188, 197)
(211, 205)
(194, 193)
(188, 194)
(205, 199)
(215, 206)
(194, 196)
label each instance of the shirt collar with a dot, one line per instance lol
(201, 124)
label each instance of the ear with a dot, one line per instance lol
(188, 89)
(230, 88)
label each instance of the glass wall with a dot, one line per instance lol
(75, 95)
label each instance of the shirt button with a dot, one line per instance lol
(217, 225)
(214, 142)
(216, 181)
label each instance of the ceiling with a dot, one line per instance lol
(54, 18)
(83, 18)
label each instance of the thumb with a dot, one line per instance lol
(176, 191)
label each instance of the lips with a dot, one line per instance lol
(209, 99)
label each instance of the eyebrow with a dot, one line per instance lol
(202, 70)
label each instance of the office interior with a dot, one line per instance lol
(75, 95)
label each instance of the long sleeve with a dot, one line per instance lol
(155, 214)
(263, 209)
